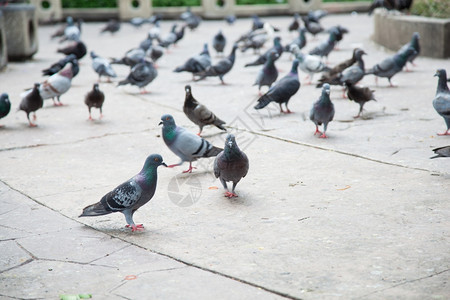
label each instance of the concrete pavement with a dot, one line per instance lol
(363, 214)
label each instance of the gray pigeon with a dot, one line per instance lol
(197, 63)
(5, 105)
(230, 165)
(141, 75)
(102, 67)
(441, 101)
(112, 26)
(300, 41)
(131, 57)
(78, 48)
(95, 98)
(169, 39)
(221, 68)
(391, 65)
(322, 111)
(360, 95)
(186, 145)
(71, 31)
(295, 24)
(31, 102)
(324, 48)
(198, 113)
(310, 64)
(283, 90)
(311, 26)
(262, 59)
(354, 73)
(219, 42)
(128, 197)
(269, 73)
(441, 152)
(155, 31)
(414, 43)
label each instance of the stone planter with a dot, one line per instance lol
(3, 51)
(394, 30)
(21, 31)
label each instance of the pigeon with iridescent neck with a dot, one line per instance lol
(322, 111)
(231, 165)
(441, 101)
(269, 73)
(186, 145)
(5, 105)
(128, 197)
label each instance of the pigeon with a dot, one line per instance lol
(112, 26)
(130, 195)
(78, 48)
(221, 68)
(256, 22)
(295, 24)
(332, 76)
(324, 48)
(219, 42)
(263, 58)
(187, 14)
(169, 39)
(310, 64)
(322, 111)
(56, 67)
(354, 73)
(155, 31)
(441, 101)
(193, 22)
(255, 39)
(102, 67)
(137, 22)
(391, 65)
(5, 105)
(131, 57)
(360, 95)
(414, 43)
(390, 5)
(312, 27)
(283, 90)
(339, 31)
(72, 32)
(155, 52)
(147, 43)
(231, 165)
(269, 73)
(186, 145)
(197, 63)
(95, 98)
(59, 32)
(300, 41)
(140, 75)
(316, 15)
(230, 19)
(441, 152)
(179, 34)
(31, 102)
(198, 113)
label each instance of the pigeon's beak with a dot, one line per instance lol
(164, 164)
(160, 123)
(328, 92)
(230, 143)
(436, 74)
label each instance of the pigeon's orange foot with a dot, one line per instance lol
(138, 227)
(230, 195)
(445, 133)
(33, 125)
(317, 132)
(323, 136)
(189, 170)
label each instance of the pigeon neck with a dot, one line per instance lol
(232, 152)
(147, 176)
(294, 69)
(190, 101)
(360, 63)
(232, 55)
(442, 84)
(325, 97)
(169, 132)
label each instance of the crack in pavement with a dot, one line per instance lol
(11, 297)
(403, 283)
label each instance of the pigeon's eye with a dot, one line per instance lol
(167, 119)
(156, 159)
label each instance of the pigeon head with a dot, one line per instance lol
(4, 96)
(359, 53)
(93, 55)
(167, 121)
(188, 89)
(69, 20)
(37, 85)
(441, 73)
(95, 87)
(273, 55)
(326, 89)
(205, 48)
(152, 161)
(230, 141)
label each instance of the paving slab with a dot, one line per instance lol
(363, 214)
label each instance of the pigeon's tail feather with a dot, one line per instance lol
(212, 151)
(368, 72)
(123, 82)
(96, 209)
(117, 61)
(263, 101)
(251, 64)
(219, 124)
(180, 69)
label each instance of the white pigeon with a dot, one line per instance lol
(102, 67)
(310, 64)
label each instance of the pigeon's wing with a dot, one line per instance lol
(203, 114)
(216, 165)
(386, 64)
(284, 89)
(442, 104)
(140, 72)
(123, 197)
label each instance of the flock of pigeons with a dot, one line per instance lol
(231, 164)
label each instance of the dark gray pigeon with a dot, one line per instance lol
(95, 98)
(360, 95)
(354, 73)
(78, 48)
(141, 75)
(169, 39)
(179, 34)
(186, 145)
(59, 65)
(295, 23)
(283, 90)
(441, 101)
(391, 65)
(312, 27)
(5, 105)
(262, 59)
(31, 102)
(131, 57)
(269, 73)
(193, 21)
(230, 19)
(300, 41)
(414, 43)
(102, 67)
(128, 197)
(324, 48)
(221, 68)
(219, 42)
(441, 152)
(231, 165)
(322, 111)
(197, 63)
(147, 43)
(112, 26)
(198, 113)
